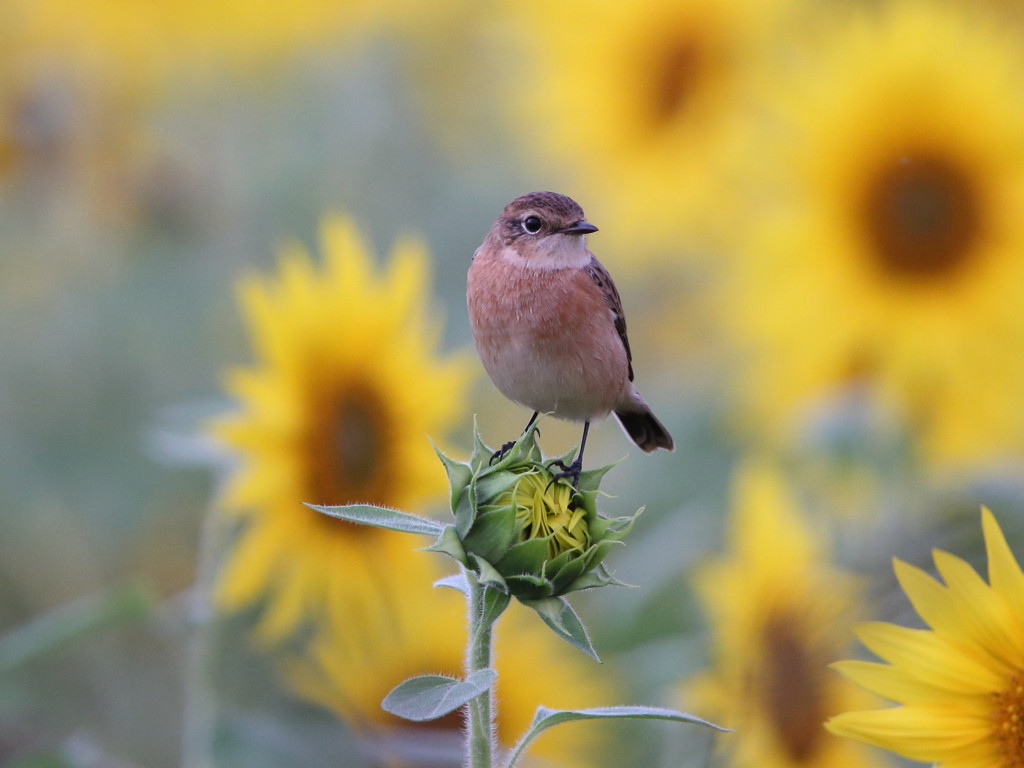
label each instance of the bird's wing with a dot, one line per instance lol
(606, 285)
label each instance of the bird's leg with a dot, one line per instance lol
(573, 470)
(500, 453)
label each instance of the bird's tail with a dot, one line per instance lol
(645, 430)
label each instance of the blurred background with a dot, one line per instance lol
(811, 210)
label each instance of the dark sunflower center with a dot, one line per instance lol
(923, 217)
(677, 69)
(1008, 722)
(348, 458)
(791, 688)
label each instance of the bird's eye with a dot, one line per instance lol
(532, 224)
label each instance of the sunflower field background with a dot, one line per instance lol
(235, 235)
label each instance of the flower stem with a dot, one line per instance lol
(480, 730)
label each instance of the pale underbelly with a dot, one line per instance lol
(565, 378)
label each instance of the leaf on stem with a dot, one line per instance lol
(545, 718)
(383, 517)
(428, 697)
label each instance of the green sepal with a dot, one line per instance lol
(562, 560)
(495, 603)
(562, 619)
(455, 581)
(481, 455)
(465, 512)
(448, 543)
(546, 718)
(490, 485)
(564, 574)
(382, 517)
(459, 475)
(616, 528)
(596, 554)
(527, 586)
(492, 533)
(487, 574)
(590, 480)
(428, 697)
(524, 557)
(594, 579)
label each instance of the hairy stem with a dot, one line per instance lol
(480, 720)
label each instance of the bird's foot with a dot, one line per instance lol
(499, 454)
(570, 471)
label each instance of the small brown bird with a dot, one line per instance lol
(548, 322)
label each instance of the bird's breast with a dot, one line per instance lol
(547, 338)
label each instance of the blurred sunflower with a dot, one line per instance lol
(145, 43)
(639, 103)
(960, 683)
(347, 384)
(779, 613)
(413, 628)
(887, 245)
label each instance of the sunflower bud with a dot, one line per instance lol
(525, 531)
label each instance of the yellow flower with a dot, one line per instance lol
(887, 242)
(544, 509)
(961, 683)
(413, 628)
(779, 613)
(639, 102)
(346, 386)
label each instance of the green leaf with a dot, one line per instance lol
(595, 578)
(616, 528)
(495, 603)
(526, 557)
(591, 478)
(545, 718)
(526, 586)
(492, 533)
(447, 543)
(383, 517)
(62, 626)
(455, 581)
(560, 616)
(428, 697)
(488, 575)
(481, 455)
(492, 483)
(459, 474)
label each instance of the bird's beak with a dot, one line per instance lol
(581, 227)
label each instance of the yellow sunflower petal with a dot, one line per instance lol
(1004, 573)
(962, 686)
(926, 733)
(922, 655)
(892, 683)
(985, 614)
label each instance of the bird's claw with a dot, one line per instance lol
(499, 454)
(572, 471)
